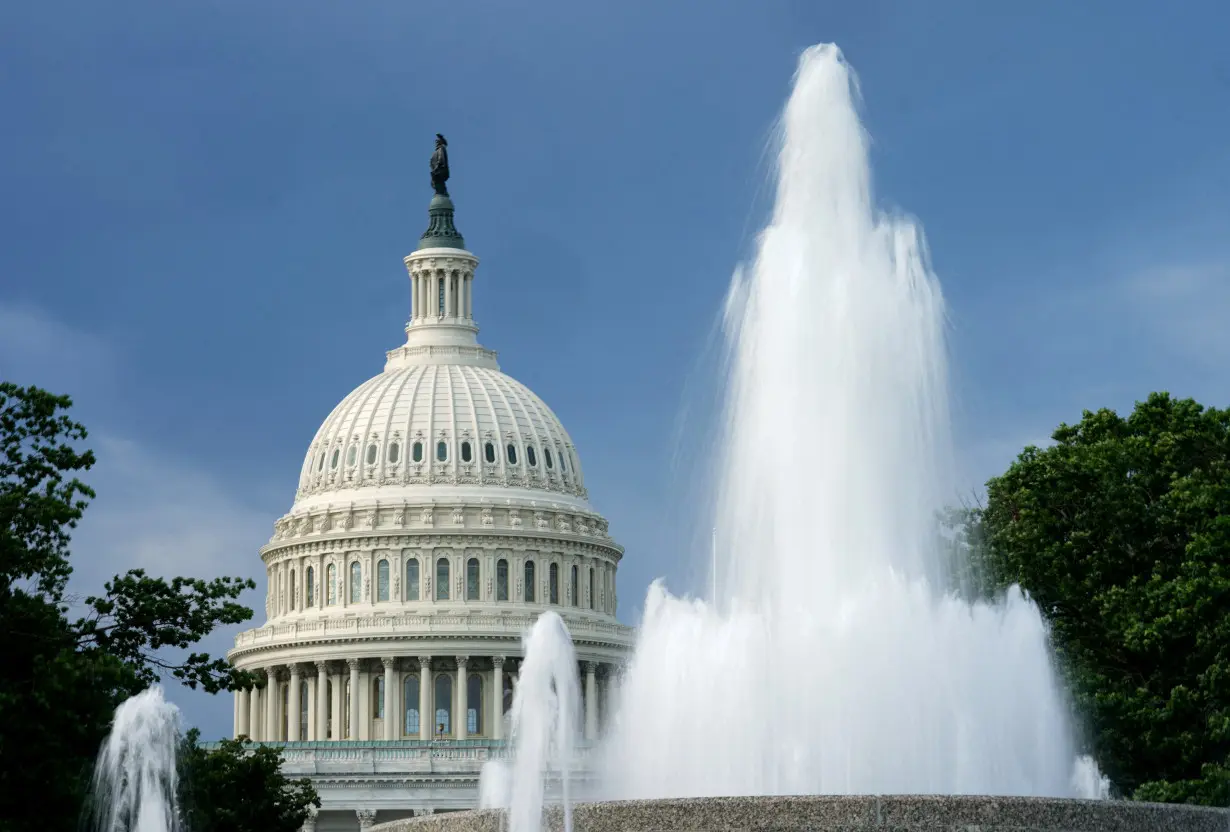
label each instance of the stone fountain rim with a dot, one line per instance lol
(847, 812)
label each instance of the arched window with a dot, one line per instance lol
(563, 461)
(442, 579)
(346, 708)
(442, 451)
(553, 577)
(285, 715)
(309, 586)
(320, 461)
(356, 582)
(530, 456)
(501, 580)
(444, 705)
(467, 453)
(472, 579)
(382, 581)
(333, 459)
(546, 456)
(474, 704)
(378, 698)
(331, 584)
(303, 711)
(512, 454)
(508, 692)
(371, 454)
(394, 452)
(412, 579)
(416, 451)
(489, 452)
(410, 696)
(293, 598)
(352, 454)
(529, 581)
(574, 586)
(591, 588)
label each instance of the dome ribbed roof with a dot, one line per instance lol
(441, 424)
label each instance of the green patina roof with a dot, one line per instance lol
(441, 233)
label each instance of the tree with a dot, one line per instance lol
(1120, 532)
(238, 788)
(62, 678)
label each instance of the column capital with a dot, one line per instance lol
(498, 661)
(353, 664)
(322, 666)
(294, 669)
(389, 662)
(272, 673)
(367, 817)
(462, 661)
(424, 662)
(591, 668)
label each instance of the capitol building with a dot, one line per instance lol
(440, 509)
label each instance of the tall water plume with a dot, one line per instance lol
(832, 661)
(135, 778)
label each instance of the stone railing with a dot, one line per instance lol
(421, 626)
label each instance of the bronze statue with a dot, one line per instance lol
(439, 166)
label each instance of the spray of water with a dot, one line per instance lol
(134, 778)
(544, 722)
(831, 659)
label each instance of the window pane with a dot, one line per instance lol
(489, 452)
(310, 587)
(303, 712)
(530, 457)
(333, 459)
(416, 452)
(331, 583)
(546, 455)
(442, 451)
(591, 588)
(472, 579)
(474, 704)
(351, 453)
(371, 454)
(512, 454)
(501, 580)
(382, 581)
(444, 704)
(356, 582)
(412, 579)
(293, 597)
(394, 452)
(378, 698)
(442, 579)
(573, 587)
(529, 581)
(466, 453)
(553, 577)
(410, 696)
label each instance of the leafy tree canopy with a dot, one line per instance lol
(1120, 532)
(237, 788)
(63, 676)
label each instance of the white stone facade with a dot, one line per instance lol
(441, 507)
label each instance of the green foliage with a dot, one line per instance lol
(239, 788)
(61, 679)
(1121, 533)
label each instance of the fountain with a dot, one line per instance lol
(134, 778)
(831, 660)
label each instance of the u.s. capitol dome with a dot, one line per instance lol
(441, 507)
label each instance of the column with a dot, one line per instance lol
(292, 706)
(367, 818)
(270, 734)
(366, 711)
(254, 714)
(450, 295)
(591, 701)
(497, 682)
(390, 698)
(459, 718)
(311, 709)
(427, 714)
(339, 700)
(322, 700)
(309, 823)
(353, 664)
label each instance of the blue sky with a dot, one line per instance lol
(203, 211)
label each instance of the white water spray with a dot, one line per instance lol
(134, 778)
(832, 660)
(544, 718)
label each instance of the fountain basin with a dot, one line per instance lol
(899, 813)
